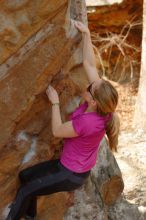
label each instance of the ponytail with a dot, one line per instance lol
(112, 131)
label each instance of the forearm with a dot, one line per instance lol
(88, 52)
(89, 60)
(56, 118)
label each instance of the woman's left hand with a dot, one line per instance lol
(81, 27)
(52, 95)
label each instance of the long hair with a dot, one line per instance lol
(107, 99)
(112, 131)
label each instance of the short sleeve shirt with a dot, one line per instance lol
(80, 153)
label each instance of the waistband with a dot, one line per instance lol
(84, 174)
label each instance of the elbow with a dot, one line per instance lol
(54, 133)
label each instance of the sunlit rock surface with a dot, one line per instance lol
(39, 46)
(101, 2)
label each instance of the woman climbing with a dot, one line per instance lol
(82, 135)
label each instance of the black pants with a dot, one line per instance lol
(42, 179)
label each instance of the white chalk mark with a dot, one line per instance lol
(31, 152)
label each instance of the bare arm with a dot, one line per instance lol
(89, 60)
(59, 129)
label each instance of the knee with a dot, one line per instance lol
(22, 176)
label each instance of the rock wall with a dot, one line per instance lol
(38, 47)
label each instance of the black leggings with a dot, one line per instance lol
(42, 179)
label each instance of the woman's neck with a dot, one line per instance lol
(89, 109)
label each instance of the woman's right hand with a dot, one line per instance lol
(81, 27)
(52, 95)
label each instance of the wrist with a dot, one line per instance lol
(55, 103)
(86, 33)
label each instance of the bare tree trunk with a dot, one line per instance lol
(140, 109)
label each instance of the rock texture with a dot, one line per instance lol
(131, 159)
(39, 47)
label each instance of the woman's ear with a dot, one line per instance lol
(94, 103)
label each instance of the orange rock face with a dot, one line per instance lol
(37, 48)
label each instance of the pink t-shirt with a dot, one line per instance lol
(80, 153)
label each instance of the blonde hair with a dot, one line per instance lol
(112, 131)
(107, 99)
